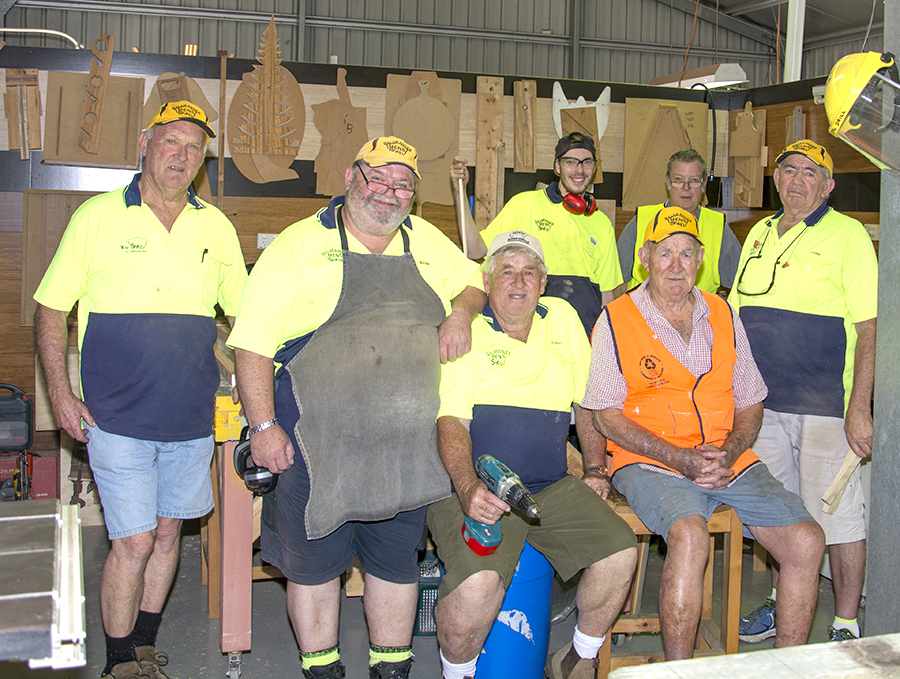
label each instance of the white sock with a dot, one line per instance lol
(585, 646)
(774, 595)
(852, 625)
(460, 671)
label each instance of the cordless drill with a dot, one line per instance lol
(505, 484)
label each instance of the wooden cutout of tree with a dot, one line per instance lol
(267, 116)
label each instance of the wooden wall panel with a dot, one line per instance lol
(10, 212)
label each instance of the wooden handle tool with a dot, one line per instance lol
(461, 215)
(832, 496)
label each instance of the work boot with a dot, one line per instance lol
(390, 670)
(567, 664)
(128, 670)
(333, 670)
(151, 661)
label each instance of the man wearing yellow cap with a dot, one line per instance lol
(352, 311)
(146, 265)
(806, 290)
(678, 397)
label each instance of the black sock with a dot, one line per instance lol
(118, 650)
(145, 628)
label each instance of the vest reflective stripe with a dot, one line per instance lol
(712, 226)
(663, 396)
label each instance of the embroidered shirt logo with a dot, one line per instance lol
(498, 356)
(333, 255)
(135, 245)
(543, 224)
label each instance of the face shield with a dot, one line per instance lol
(862, 101)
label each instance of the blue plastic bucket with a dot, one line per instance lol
(518, 641)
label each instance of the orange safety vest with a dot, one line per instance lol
(663, 396)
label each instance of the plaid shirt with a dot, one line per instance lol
(607, 387)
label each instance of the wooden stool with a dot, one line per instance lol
(712, 638)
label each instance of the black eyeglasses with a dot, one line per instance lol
(775, 266)
(402, 192)
(681, 182)
(571, 163)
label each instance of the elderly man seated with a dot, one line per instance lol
(511, 397)
(676, 392)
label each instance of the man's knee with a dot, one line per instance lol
(134, 548)
(618, 565)
(688, 538)
(805, 544)
(483, 586)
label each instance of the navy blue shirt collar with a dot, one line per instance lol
(489, 316)
(814, 217)
(133, 194)
(330, 215)
(552, 192)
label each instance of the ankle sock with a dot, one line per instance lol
(319, 658)
(774, 595)
(118, 650)
(458, 671)
(390, 654)
(145, 628)
(586, 646)
(852, 625)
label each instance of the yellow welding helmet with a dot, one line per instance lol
(862, 102)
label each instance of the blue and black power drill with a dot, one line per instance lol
(505, 484)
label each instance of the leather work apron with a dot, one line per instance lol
(366, 388)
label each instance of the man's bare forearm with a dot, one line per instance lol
(256, 382)
(747, 422)
(51, 336)
(455, 447)
(592, 442)
(613, 424)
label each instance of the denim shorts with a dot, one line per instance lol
(661, 499)
(140, 480)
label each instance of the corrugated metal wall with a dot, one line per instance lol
(618, 41)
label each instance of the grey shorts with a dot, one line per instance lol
(660, 500)
(805, 453)
(577, 528)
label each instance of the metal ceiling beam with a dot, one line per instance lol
(383, 26)
(5, 6)
(840, 37)
(754, 6)
(747, 29)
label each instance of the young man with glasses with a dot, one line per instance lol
(807, 293)
(686, 177)
(338, 341)
(578, 239)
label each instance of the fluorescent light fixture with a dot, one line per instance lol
(717, 75)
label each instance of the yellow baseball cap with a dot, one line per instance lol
(670, 221)
(182, 110)
(818, 154)
(386, 150)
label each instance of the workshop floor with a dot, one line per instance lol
(192, 640)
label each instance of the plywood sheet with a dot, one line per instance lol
(46, 215)
(651, 136)
(118, 145)
(441, 96)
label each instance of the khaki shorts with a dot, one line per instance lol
(805, 453)
(576, 529)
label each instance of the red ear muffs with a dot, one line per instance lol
(578, 205)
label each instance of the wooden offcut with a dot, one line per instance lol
(45, 218)
(118, 146)
(488, 146)
(343, 129)
(434, 185)
(267, 117)
(22, 105)
(525, 96)
(92, 112)
(665, 134)
(834, 493)
(748, 149)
